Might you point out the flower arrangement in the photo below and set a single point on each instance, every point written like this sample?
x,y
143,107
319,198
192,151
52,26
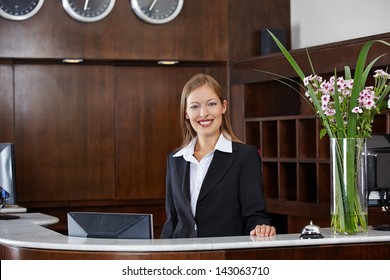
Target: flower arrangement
x,y
346,107
335,98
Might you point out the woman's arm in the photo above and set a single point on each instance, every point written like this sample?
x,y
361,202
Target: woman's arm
x,y
252,200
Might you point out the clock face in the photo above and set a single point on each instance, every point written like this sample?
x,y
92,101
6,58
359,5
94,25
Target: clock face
x,y
88,10
157,11
19,9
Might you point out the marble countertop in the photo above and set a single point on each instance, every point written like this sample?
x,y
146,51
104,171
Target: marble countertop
x,y
29,232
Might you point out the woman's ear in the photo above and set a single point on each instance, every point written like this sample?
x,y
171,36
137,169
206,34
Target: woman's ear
x,y
224,104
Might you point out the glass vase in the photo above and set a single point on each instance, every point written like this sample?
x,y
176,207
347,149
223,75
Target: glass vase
x,y
348,170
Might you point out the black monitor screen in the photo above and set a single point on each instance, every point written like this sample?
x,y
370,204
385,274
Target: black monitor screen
x,y
110,225
378,169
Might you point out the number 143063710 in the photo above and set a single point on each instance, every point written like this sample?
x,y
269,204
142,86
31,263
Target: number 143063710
x,y
249,270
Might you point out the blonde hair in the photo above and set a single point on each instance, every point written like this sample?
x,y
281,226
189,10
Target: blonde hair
x,y
195,82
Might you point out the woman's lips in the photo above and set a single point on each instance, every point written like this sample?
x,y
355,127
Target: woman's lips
x,y
205,123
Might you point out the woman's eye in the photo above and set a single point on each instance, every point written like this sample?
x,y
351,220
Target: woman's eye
x,y
194,107
213,104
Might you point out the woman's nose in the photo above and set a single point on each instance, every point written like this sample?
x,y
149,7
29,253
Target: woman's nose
x,y
203,111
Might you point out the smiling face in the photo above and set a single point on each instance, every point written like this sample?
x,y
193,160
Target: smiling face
x,y
205,110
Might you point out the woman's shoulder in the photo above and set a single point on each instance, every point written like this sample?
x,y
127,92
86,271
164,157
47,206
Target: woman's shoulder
x,y
174,152
247,153
240,146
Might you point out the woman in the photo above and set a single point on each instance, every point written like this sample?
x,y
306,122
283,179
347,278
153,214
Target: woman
x,y
214,181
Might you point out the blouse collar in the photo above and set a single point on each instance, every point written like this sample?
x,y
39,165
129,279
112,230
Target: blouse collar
x,y
223,144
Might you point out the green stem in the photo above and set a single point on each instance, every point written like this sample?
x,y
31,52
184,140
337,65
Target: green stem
x,y
348,215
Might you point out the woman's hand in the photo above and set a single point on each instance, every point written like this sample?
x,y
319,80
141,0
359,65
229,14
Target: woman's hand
x,y
263,231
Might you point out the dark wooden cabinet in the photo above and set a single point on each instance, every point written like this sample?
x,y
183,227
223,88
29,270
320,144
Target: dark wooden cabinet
x,y
275,118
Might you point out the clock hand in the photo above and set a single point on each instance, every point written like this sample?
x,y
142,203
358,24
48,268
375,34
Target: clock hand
x,y
151,6
86,4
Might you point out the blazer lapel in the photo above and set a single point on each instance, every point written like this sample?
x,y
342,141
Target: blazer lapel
x,y
183,176
218,168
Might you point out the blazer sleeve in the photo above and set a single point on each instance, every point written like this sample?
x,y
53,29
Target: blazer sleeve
x,y
251,193
171,215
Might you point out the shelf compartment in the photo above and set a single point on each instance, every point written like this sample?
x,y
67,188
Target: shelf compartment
x,y
288,181
323,146
306,133
270,180
269,139
380,124
252,133
287,139
307,182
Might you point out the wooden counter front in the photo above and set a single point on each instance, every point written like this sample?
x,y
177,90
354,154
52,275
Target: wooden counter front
x,y
26,238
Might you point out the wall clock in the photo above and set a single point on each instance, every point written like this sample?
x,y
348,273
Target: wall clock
x,y
157,11
88,10
19,9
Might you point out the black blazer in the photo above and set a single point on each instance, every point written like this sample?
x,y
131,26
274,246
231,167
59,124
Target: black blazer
x,y
230,202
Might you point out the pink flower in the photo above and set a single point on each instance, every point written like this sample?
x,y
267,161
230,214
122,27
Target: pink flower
x,y
381,74
367,98
330,112
357,110
323,93
325,99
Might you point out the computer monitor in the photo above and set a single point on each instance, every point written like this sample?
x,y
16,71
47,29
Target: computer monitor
x,y
110,225
378,169
7,172
7,178
378,174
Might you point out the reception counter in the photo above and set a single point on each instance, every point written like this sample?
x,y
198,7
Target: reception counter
x,y
28,238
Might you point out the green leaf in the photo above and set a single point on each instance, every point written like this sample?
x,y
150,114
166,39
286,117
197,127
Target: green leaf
x,y
311,64
322,133
347,73
290,59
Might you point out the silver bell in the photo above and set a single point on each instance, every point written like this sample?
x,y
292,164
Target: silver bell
x,y
311,232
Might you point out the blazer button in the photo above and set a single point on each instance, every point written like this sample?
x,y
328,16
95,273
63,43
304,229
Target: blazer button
x,y
195,227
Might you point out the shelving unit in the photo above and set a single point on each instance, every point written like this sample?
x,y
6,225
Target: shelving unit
x,y
275,118
292,156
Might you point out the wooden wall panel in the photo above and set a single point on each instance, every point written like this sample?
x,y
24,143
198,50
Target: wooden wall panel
x,y
200,32
90,132
6,104
64,132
